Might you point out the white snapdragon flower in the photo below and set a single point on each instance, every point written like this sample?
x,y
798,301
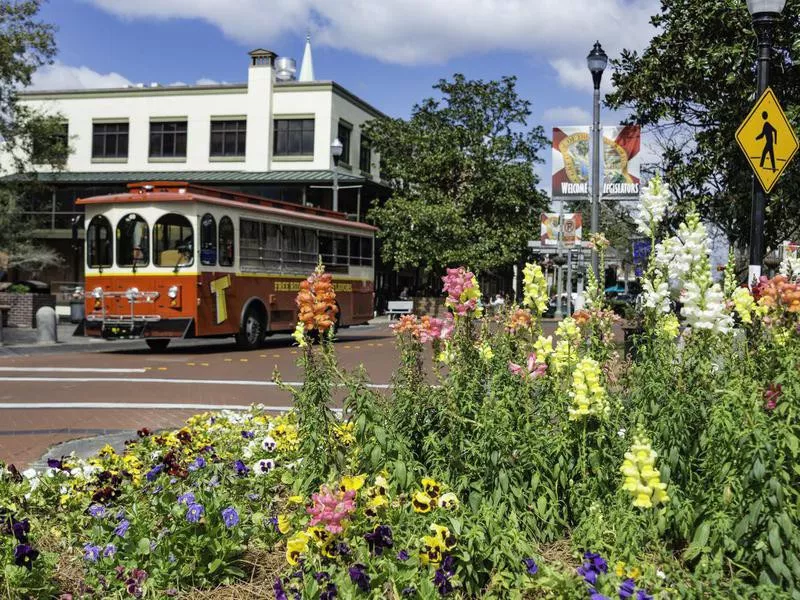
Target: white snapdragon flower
x,y
790,265
655,199
656,296
704,307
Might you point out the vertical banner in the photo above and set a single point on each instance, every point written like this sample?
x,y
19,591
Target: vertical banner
x,y
641,253
570,227
572,162
621,162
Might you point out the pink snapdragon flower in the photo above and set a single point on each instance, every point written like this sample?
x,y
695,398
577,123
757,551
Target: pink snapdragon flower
x,y
462,290
531,370
331,508
771,396
432,328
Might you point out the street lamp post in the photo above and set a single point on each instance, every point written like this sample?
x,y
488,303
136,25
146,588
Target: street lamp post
x,y
765,14
597,61
336,152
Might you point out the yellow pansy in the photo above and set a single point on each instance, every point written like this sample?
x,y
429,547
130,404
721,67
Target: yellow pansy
x,y
447,539
296,546
432,549
352,483
421,502
432,487
376,503
283,524
296,500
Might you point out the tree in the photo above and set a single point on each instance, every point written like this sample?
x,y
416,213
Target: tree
x,y
696,79
461,171
28,137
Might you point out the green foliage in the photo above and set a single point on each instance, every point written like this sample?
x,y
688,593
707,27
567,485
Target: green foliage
x,y
695,83
461,170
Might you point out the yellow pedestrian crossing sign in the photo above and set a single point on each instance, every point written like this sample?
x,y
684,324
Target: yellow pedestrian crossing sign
x,y
767,139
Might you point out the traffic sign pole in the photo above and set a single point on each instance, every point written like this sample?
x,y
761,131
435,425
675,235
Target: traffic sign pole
x,y
763,24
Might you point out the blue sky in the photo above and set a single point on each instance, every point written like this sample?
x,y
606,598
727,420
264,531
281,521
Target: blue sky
x,y
389,53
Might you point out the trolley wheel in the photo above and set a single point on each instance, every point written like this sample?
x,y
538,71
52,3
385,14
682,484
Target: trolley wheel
x,y
157,345
251,334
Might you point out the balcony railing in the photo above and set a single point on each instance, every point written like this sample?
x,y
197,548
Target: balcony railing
x,y
51,220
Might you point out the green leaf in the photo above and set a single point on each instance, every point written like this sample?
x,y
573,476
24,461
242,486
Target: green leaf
x,y
503,480
380,435
541,506
699,541
400,473
375,456
143,547
475,500
774,538
214,565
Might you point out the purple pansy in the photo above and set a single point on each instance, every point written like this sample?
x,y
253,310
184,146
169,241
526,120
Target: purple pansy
x,y
122,528
230,517
195,512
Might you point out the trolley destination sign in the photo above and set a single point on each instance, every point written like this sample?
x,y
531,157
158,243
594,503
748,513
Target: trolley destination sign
x,y
767,139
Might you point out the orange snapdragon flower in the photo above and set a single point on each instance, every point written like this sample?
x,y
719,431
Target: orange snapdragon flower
x,y
316,301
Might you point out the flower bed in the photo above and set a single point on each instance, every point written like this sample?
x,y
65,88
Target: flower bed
x,y
536,467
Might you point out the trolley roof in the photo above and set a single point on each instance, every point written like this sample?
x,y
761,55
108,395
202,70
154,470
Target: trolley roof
x,y
183,191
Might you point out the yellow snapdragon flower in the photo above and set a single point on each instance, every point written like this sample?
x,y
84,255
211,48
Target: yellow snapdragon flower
x,y
669,326
485,352
534,294
543,347
588,395
744,304
642,479
299,334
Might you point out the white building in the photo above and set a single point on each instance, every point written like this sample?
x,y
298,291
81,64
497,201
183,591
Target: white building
x,y
270,136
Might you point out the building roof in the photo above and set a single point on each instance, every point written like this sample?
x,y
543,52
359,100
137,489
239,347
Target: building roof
x,y
100,177
177,90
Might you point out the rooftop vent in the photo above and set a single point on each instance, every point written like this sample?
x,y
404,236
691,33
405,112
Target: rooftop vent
x,y
285,69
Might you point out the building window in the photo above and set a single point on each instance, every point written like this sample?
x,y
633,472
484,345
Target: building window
x,y
228,138
226,249
208,240
133,241
344,136
173,241
294,137
98,243
168,139
365,154
110,140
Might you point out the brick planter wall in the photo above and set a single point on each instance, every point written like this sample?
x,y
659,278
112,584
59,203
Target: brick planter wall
x,y
24,307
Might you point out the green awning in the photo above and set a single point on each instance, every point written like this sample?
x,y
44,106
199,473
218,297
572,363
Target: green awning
x,y
201,177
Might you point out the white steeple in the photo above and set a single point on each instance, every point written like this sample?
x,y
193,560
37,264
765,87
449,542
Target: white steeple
x,y
307,66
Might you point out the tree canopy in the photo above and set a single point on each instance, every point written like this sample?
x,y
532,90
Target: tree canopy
x,y
461,171
695,83
28,137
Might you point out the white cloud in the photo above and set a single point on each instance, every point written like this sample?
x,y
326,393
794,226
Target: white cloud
x,y
59,76
567,115
207,81
423,32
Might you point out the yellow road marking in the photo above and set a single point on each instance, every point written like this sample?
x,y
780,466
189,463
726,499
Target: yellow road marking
x,y
276,356
162,368
380,345
204,364
262,355
242,360
191,364
346,346
228,360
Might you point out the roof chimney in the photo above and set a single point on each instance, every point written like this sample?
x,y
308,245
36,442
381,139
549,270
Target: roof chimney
x,y
261,58
307,66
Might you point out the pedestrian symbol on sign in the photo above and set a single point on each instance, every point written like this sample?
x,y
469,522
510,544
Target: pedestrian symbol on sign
x,y
770,135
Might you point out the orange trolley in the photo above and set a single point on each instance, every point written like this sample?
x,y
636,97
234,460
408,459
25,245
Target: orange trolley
x,y
171,260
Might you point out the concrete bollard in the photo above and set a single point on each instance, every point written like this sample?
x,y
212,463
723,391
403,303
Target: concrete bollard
x,y
46,325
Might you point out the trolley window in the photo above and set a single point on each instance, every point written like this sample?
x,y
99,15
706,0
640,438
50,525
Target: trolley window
x,y
98,243
226,249
173,241
208,240
333,249
299,248
360,250
133,241
260,246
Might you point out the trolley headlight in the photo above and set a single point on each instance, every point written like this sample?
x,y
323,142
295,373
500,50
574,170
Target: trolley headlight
x,y
78,293
173,292
132,293
97,293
